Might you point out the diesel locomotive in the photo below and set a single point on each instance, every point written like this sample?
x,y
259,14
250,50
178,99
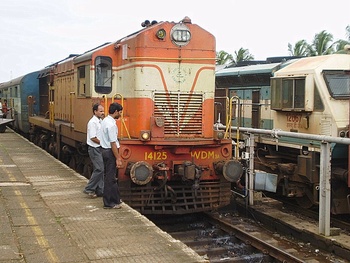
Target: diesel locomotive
x,y
298,95
174,159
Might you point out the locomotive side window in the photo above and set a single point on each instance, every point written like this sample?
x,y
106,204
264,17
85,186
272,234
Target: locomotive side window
x,y
83,81
299,93
276,94
288,94
318,104
338,83
103,75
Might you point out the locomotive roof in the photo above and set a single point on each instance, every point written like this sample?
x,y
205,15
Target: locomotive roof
x,y
88,54
310,64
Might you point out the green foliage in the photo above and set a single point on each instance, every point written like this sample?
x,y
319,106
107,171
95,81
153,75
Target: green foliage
x,y
223,58
322,44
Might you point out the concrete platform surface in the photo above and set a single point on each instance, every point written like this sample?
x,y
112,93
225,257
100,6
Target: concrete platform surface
x,y
45,217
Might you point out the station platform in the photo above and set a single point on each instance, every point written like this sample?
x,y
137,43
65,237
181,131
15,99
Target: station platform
x,y
45,216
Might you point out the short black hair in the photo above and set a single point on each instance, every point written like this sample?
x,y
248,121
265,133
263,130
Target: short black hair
x,y
114,107
95,107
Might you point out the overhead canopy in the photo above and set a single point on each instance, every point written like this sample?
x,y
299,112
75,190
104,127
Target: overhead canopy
x,y
248,70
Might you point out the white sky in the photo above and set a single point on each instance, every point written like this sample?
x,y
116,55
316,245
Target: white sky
x,y
36,33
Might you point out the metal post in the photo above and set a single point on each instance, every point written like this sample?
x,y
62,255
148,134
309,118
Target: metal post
x,y
325,190
251,168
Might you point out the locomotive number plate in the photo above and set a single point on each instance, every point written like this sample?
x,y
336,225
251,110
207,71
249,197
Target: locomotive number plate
x,y
293,120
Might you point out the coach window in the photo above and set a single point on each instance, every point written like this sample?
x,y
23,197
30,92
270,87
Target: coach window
x,y
103,75
14,92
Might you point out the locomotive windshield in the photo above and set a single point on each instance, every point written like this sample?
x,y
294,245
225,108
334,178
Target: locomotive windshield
x,y
338,83
103,75
288,93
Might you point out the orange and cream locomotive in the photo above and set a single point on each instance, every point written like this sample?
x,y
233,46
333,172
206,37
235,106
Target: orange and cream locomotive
x,y
174,161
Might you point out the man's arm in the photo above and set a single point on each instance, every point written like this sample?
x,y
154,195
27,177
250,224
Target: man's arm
x,y
115,151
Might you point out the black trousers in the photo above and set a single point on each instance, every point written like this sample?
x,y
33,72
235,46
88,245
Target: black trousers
x,y
111,196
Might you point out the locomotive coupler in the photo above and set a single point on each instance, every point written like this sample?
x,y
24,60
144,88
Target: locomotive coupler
x,y
189,171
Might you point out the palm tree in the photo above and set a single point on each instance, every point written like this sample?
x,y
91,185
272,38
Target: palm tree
x,y
301,49
242,55
340,46
222,58
322,44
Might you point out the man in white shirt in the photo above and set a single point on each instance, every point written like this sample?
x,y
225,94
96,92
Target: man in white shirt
x,y
94,187
111,158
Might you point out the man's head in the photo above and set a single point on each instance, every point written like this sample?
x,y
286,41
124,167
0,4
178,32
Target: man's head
x,y
98,110
115,110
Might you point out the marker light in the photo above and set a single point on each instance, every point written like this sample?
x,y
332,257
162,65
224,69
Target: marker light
x,y
161,34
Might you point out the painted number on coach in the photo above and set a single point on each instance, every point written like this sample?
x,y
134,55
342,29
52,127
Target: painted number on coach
x,y
155,156
293,120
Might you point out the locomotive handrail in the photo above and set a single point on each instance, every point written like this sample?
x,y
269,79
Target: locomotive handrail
x,y
30,105
105,103
122,115
51,113
325,168
276,133
51,107
230,120
71,108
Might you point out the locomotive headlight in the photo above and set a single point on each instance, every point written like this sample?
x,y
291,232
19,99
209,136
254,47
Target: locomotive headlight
x,y
161,34
145,135
180,35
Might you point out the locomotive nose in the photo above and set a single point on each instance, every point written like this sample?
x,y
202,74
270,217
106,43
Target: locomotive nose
x,y
232,170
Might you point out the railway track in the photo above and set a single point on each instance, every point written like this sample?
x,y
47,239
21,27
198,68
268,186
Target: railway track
x,y
228,237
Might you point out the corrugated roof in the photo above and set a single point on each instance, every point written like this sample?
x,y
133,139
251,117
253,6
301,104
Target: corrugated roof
x,y
251,69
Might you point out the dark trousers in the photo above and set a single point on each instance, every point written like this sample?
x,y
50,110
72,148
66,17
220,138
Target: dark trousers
x,y
96,182
111,196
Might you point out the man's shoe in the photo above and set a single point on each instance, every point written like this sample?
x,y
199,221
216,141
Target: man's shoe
x,y
113,207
